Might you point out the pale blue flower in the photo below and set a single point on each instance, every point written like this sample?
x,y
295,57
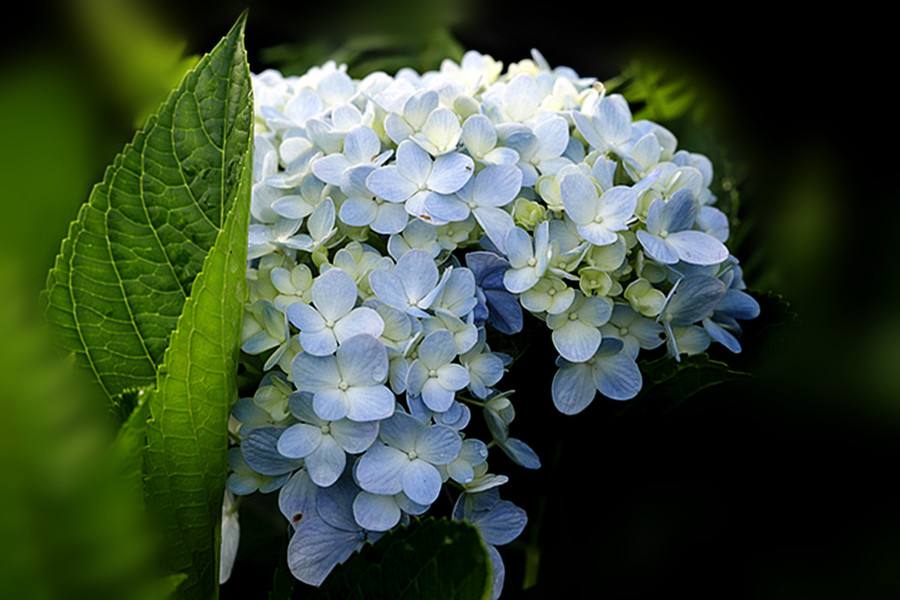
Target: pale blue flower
x,y
483,197
542,150
243,480
611,371
358,260
327,534
527,260
433,375
332,318
598,218
521,98
456,417
414,177
642,156
465,333
263,239
496,305
498,521
458,296
407,459
259,449
669,237
381,512
349,384
576,331
417,235
635,331
691,300
300,205
549,295
231,535
265,327
485,368
320,227
412,286
416,109
363,208
608,127
498,424
249,416
361,147
687,340
323,444
735,305
479,136
713,221
462,468
440,133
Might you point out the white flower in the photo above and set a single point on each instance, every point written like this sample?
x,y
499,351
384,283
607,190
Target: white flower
x,y
334,318
528,262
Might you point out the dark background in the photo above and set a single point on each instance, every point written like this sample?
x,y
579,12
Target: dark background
x,y
780,487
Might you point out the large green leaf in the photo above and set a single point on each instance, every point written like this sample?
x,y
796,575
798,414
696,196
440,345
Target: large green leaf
x,y
434,558
129,263
187,433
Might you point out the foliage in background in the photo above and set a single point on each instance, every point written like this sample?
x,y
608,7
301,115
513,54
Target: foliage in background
x,y
72,526
434,558
141,60
375,36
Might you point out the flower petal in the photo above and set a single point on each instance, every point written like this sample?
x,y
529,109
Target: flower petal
x,y
576,341
380,469
438,445
334,294
375,512
497,185
314,373
421,482
450,172
362,320
573,389
370,403
316,549
326,463
354,437
362,360
388,183
698,248
617,376
299,440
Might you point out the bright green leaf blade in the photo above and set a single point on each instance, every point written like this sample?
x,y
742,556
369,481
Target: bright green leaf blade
x,y
435,558
188,429
124,272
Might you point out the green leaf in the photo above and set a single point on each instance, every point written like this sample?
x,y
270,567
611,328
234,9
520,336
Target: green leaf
x,y
187,432
434,558
130,443
131,257
656,94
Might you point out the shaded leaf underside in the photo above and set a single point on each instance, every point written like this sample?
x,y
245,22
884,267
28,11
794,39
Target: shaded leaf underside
x,y
434,558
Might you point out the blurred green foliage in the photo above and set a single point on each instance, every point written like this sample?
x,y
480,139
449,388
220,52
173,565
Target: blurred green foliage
x,y
71,525
372,36
140,58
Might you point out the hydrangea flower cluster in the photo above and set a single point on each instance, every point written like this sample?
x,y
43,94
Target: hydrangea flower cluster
x,y
398,225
